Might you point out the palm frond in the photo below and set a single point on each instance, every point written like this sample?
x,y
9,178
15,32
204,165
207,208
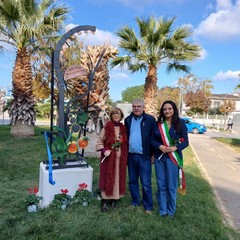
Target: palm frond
x,y
177,67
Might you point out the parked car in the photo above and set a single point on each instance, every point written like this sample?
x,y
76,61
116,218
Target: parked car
x,y
194,127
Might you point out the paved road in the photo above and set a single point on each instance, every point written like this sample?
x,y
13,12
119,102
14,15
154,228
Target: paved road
x,y
221,165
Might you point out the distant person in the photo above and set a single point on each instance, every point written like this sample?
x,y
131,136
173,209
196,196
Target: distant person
x,y
170,137
213,124
112,143
139,127
229,124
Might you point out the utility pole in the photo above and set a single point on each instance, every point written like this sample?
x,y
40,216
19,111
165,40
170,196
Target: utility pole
x,y
180,102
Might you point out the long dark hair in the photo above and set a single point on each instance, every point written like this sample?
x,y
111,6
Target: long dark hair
x,y
175,118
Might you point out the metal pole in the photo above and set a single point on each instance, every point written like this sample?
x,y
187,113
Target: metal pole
x,y
180,101
52,92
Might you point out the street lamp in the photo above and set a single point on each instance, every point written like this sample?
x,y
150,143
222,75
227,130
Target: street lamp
x,y
180,102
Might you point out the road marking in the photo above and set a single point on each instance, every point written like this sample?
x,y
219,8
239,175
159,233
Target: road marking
x,y
233,168
213,150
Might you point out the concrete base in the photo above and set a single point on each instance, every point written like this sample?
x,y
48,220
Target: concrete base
x,y
67,178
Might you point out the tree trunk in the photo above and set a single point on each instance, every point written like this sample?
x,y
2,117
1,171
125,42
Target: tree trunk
x,y
21,111
150,92
22,130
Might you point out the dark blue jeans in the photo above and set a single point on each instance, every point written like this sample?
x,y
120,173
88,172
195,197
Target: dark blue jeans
x,y
140,167
167,182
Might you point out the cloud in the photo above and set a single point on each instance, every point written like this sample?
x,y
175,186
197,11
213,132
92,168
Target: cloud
x,y
99,38
203,54
119,75
228,75
222,24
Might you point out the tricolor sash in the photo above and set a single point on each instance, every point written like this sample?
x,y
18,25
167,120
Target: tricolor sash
x,y
167,141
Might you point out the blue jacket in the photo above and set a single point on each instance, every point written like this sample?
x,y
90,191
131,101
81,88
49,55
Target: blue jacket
x,y
156,140
147,124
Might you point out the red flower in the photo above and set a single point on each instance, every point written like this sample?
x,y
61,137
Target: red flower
x,y
82,186
33,190
64,191
181,140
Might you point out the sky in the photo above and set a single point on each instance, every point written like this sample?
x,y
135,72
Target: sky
x,y
216,30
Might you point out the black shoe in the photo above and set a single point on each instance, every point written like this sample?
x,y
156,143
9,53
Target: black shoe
x,y
104,207
114,204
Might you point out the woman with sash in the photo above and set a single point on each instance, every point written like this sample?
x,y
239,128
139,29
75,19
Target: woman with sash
x,y
170,137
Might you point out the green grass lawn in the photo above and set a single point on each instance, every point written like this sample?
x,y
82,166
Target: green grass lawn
x,y
197,214
232,142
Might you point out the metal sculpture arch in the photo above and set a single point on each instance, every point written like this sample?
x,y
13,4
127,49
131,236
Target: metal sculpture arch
x,y
77,116
59,72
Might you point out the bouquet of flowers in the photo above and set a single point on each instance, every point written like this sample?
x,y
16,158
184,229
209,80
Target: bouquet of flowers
x,y
118,142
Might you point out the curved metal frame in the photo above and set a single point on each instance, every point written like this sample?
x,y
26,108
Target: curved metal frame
x,y
59,72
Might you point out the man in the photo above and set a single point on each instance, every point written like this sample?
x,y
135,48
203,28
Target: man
x,y
139,127
230,124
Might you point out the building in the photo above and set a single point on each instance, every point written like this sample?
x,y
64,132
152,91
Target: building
x,y
218,99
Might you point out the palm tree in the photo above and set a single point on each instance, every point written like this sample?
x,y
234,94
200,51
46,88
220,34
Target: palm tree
x,y
157,44
24,24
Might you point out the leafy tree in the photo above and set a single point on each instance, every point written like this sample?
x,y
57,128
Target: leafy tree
x,y
192,88
43,109
158,43
131,93
192,83
41,89
168,93
227,107
24,24
197,101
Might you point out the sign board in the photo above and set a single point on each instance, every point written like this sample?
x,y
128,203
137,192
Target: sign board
x,y
74,71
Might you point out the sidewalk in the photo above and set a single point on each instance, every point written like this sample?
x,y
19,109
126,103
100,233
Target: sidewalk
x,y
221,166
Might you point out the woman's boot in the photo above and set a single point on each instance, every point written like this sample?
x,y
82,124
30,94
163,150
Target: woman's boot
x,y
104,207
114,204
